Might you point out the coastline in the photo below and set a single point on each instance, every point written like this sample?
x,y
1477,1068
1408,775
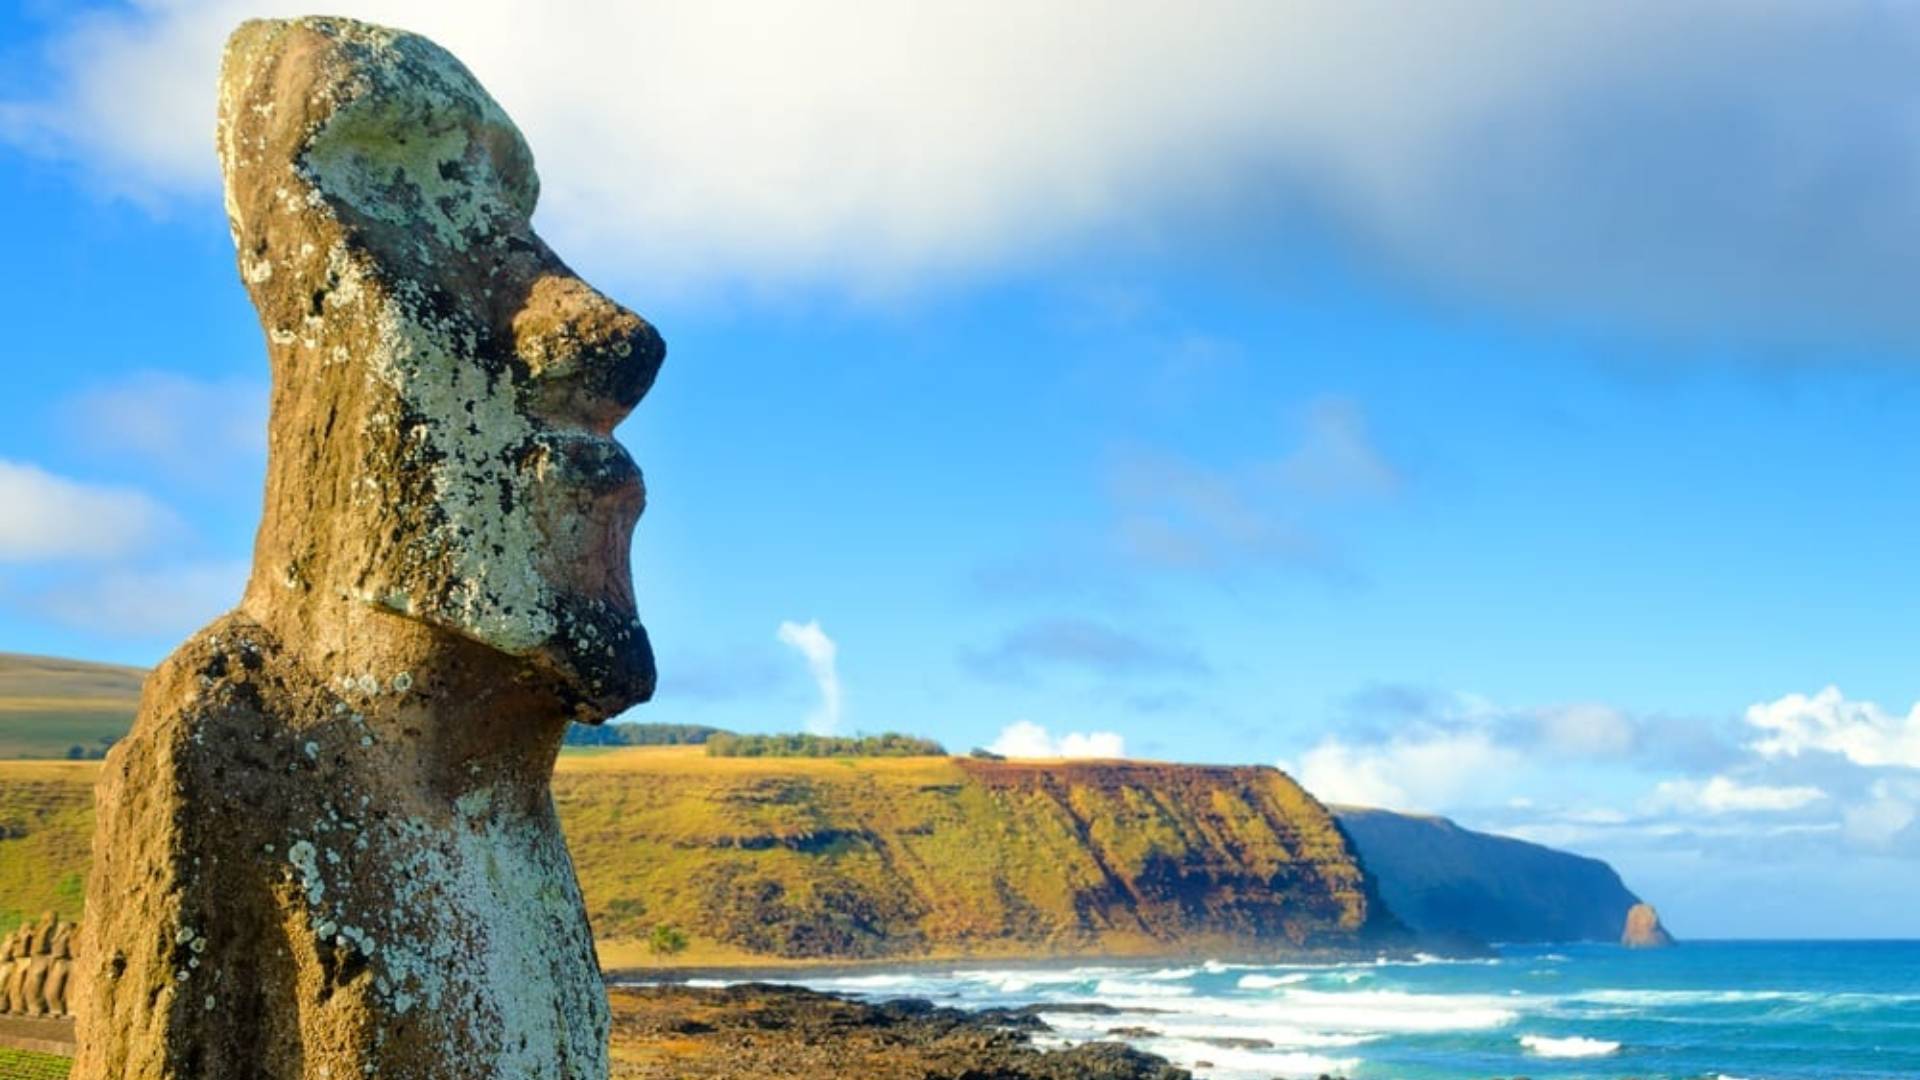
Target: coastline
x,y
776,969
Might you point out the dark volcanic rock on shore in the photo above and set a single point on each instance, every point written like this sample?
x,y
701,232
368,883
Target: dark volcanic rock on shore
x,y
765,1032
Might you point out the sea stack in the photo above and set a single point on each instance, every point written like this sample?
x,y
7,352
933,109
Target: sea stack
x,y
1643,930
328,847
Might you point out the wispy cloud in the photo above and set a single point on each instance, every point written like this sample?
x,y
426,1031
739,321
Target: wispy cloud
x,y
164,602
722,675
1082,644
1617,163
1724,795
1175,512
1337,457
195,428
51,518
1888,819
822,656
1026,739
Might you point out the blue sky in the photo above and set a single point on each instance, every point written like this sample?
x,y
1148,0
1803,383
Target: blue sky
x,y
1508,415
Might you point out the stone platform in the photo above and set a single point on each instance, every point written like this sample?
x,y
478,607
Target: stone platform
x,y
45,1035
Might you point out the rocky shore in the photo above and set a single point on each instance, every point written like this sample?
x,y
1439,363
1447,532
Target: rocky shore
x,y
757,1031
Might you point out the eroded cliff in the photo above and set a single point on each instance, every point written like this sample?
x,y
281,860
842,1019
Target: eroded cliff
x,y
798,858
1453,882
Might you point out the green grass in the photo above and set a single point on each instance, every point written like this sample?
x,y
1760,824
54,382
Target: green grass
x,y
29,1065
48,705
802,858
770,860
46,825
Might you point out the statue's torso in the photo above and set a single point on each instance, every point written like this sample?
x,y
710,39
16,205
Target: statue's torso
x,y
278,892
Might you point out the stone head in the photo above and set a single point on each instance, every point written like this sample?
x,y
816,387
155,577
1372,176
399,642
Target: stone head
x,y
444,388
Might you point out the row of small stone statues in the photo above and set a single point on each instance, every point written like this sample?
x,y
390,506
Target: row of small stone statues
x,y
36,968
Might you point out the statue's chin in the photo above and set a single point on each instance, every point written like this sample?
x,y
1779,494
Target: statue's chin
x,y
602,673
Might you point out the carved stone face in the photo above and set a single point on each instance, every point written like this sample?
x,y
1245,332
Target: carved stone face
x,y
444,395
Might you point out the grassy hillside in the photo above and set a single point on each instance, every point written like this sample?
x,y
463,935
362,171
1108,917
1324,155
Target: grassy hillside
x,y
1443,879
938,856
48,706
770,860
46,822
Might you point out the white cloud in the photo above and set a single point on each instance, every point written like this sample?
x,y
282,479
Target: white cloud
x,y
822,657
1617,160
1026,739
194,427
1725,795
1422,772
1861,731
169,601
1885,819
44,517
1586,731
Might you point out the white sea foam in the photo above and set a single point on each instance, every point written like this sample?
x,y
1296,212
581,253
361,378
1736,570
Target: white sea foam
x,y
1268,982
1233,1064
1200,1027
871,982
1692,997
1571,1046
1171,974
1133,988
1393,1010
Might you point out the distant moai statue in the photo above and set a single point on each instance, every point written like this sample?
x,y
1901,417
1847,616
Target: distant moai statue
x,y
328,847
36,965
13,970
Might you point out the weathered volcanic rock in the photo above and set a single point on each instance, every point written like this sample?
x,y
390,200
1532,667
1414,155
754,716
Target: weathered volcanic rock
x,y
760,1032
1643,930
328,846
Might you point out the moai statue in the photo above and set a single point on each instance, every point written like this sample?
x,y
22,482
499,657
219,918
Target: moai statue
x,y
40,959
8,962
15,991
328,848
60,971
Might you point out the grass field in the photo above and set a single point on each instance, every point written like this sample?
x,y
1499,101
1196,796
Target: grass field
x,y
28,1065
771,861
48,706
46,822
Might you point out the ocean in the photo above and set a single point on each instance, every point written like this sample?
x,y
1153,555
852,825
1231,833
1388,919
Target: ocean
x,y
1733,1010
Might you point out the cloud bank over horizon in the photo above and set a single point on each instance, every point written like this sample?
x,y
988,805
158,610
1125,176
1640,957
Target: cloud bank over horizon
x,y
1616,166
1795,778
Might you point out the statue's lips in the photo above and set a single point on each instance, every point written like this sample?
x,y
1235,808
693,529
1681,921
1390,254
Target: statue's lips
x,y
592,464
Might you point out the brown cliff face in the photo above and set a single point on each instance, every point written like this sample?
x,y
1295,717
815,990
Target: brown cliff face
x,y
1643,929
1195,851
923,857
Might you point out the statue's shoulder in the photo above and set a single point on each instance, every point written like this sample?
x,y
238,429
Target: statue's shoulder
x,y
221,706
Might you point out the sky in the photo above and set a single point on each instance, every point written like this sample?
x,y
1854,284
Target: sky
x,y
1491,409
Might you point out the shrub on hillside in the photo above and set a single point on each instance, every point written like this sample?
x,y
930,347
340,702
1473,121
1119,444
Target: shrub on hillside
x,y
640,734
890,744
666,940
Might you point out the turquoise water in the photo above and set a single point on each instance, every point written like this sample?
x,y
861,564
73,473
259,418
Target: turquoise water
x,y
1749,1010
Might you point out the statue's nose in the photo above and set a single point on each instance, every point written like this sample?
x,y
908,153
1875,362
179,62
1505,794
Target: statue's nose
x,y
591,360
